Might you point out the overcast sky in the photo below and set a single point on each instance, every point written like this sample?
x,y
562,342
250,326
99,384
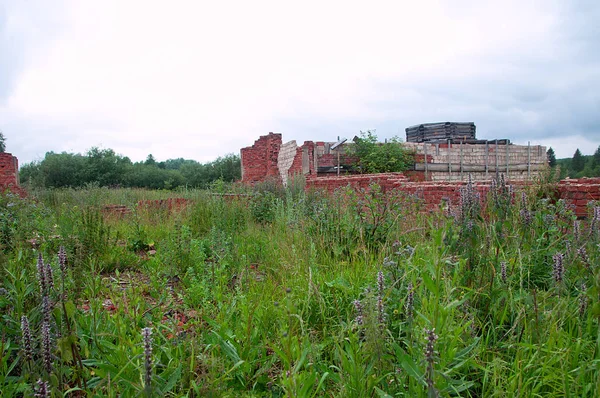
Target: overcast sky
x,y
200,79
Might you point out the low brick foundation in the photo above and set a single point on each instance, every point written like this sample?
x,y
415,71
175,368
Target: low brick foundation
x,y
171,204
117,211
577,192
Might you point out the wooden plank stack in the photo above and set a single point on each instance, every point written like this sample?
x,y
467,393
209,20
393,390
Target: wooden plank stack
x,y
443,131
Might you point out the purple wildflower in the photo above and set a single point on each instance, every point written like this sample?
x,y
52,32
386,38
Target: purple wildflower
x,y
576,230
147,337
41,268
46,309
62,259
558,268
359,312
46,346
430,357
469,202
49,277
42,389
525,214
582,253
380,291
26,336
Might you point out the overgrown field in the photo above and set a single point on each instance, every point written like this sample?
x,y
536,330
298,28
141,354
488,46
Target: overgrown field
x,y
287,293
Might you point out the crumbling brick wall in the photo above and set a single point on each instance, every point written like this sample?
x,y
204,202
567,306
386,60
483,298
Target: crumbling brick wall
x,y
580,192
577,192
330,183
268,157
259,161
432,193
9,173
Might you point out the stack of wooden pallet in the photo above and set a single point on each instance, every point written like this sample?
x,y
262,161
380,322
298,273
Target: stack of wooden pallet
x,y
455,131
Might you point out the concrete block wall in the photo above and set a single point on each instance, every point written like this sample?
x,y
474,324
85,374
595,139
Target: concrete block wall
x,y
454,162
285,159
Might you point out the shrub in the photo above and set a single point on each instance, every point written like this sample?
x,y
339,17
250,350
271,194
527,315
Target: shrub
x,y
375,157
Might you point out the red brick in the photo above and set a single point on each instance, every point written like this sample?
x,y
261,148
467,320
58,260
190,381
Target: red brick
x,y
9,173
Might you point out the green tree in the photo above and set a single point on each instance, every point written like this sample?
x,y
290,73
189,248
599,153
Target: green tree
x,y
150,161
551,157
176,164
596,158
105,167
227,168
2,142
578,161
64,169
375,157
30,174
152,177
194,174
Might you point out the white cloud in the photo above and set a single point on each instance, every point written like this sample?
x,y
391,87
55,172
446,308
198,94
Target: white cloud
x,y
565,148
201,79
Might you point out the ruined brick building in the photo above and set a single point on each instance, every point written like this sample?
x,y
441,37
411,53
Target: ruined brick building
x,y
443,162
441,154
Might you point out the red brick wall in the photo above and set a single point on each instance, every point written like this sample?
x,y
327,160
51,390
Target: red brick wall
x,y
9,173
331,160
576,192
579,192
168,204
296,167
259,161
330,184
432,193
415,176
328,160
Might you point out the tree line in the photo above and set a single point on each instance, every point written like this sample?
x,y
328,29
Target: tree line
x,y
577,166
104,167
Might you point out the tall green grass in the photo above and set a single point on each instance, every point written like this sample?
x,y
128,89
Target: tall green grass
x,y
277,293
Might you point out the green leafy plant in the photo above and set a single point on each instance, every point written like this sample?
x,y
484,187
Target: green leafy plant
x,y
376,157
